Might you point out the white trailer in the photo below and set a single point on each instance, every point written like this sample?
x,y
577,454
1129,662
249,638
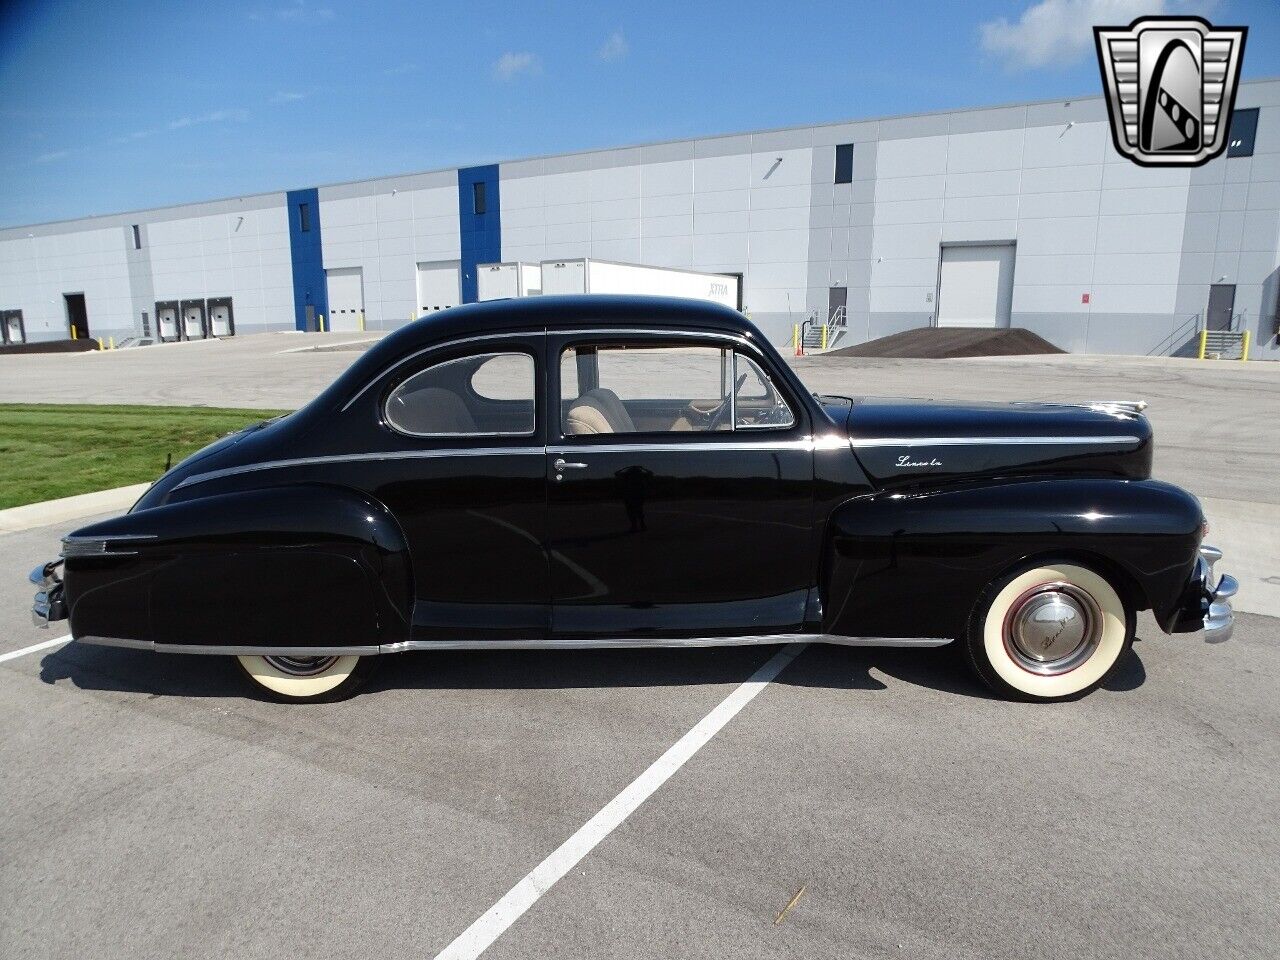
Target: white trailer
x,y
500,281
584,275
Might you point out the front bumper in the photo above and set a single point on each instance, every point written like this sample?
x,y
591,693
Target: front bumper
x,y
1218,617
49,603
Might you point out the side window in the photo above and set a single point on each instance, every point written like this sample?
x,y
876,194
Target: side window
x,y
1243,133
623,388
844,163
483,395
757,404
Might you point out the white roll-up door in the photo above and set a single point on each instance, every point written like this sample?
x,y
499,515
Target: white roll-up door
x,y
976,287
346,298
439,285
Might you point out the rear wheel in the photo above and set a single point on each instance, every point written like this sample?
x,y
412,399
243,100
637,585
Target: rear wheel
x,y
307,679
1052,632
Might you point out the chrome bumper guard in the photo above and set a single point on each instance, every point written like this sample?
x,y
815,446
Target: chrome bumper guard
x,y
1219,619
48,604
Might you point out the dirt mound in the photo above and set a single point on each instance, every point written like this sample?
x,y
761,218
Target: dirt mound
x,y
943,342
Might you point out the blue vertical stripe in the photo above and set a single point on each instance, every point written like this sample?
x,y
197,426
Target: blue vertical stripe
x,y
479,233
306,255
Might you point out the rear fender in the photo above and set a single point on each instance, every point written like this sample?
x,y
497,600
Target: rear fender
x,y
284,566
898,564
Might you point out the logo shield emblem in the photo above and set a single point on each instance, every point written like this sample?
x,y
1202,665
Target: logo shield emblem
x,y
1171,86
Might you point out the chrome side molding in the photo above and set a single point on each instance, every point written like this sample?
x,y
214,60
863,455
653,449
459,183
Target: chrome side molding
x,y
408,646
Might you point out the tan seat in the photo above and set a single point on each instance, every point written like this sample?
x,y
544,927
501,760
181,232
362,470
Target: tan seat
x,y
598,411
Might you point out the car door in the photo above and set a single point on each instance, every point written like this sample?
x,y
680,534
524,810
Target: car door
x,y
670,513
467,484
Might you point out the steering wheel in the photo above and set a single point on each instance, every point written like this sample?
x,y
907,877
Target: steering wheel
x,y
722,413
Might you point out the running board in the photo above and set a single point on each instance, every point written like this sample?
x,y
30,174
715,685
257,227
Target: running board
x,y
407,646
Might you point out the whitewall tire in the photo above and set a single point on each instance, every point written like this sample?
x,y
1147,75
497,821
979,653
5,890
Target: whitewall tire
x,y
306,679
1051,632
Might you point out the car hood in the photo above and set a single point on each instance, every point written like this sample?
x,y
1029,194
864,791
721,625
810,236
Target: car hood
x,y
904,441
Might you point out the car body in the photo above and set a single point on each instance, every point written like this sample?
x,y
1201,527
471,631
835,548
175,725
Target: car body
x,y
591,471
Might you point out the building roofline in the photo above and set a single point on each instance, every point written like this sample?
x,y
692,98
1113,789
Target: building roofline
x,y
578,153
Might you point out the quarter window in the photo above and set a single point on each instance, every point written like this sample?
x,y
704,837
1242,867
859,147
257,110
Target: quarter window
x,y
483,395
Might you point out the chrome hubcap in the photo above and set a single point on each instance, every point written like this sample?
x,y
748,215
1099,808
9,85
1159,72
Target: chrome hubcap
x,y
1053,628
301,666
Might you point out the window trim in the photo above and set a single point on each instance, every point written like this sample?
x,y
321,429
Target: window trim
x,y
762,427
385,412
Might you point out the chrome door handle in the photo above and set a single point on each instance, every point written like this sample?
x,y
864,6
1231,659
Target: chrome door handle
x,y
562,465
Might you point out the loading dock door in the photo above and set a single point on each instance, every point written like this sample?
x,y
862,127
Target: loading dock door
x,y
439,285
77,315
167,320
193,319
976,285
220,322
346,298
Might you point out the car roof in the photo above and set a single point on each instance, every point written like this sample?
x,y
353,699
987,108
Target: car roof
x,y
574,310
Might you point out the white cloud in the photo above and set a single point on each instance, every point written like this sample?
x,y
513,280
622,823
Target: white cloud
x,y
614,48
297,12
288,96
53,156
216,116
1054,33
511,64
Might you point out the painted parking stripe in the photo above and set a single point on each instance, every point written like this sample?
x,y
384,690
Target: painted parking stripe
x,y
480,935
34,648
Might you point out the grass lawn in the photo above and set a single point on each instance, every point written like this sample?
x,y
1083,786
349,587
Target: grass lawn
x,y
52,450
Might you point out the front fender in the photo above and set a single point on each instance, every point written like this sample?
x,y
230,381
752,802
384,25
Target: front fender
x,y
899,564
305,565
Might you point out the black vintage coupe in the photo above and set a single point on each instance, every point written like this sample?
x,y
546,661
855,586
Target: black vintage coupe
x,y
633,472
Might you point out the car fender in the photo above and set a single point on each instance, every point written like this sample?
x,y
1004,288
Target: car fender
x,y
913,563
301,565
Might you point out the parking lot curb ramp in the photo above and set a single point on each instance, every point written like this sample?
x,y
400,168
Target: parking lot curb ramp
x,y
32,515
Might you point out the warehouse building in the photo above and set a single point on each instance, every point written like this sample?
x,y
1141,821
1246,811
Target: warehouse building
x,y
1020,216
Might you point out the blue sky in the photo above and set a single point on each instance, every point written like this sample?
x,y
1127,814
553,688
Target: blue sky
x,y
118,105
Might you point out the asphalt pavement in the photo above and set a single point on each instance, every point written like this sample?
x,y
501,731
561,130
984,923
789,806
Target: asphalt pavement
x,y
154,807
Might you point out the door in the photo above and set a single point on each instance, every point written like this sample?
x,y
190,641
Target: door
x,y
167,320
976,285
346,298
193,326
678,507
13,330
221,323
474,517
77,315
1222,304
837,301
439,285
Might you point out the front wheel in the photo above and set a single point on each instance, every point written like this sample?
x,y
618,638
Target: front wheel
x,y
307,679
1052,632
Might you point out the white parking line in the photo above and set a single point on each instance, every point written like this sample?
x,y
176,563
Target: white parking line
x,y
480,935
34,648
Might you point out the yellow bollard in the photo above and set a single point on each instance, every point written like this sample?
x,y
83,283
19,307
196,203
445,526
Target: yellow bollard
x,y
361,320
824,336
73,333
99,343
1204,342
1244,347
795,337
112,343
320,318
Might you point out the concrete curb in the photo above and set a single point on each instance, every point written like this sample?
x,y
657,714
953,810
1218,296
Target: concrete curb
x,y
32,515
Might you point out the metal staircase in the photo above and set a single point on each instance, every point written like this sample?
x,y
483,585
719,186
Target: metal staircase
x,y
819,333
1230,343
